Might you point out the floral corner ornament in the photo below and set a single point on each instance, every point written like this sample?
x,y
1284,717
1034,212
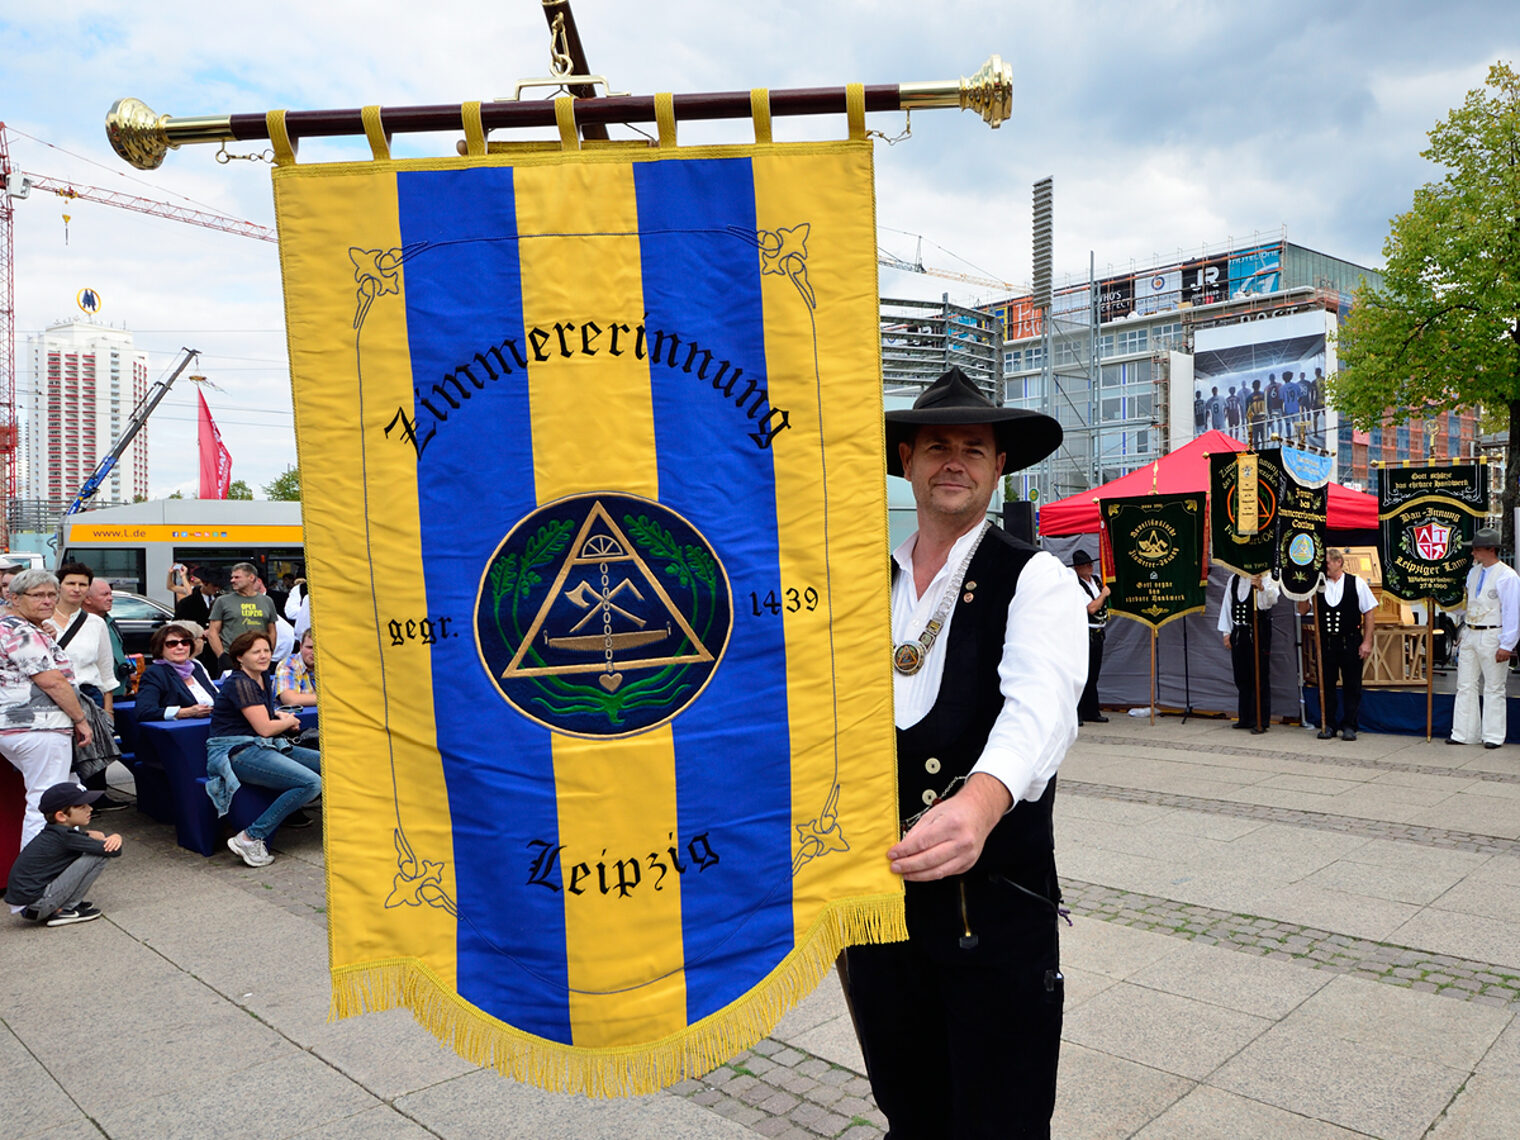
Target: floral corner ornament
x,y
418,882
818,837
784,252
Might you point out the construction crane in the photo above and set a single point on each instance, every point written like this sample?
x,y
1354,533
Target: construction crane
x,y
16,185
892,261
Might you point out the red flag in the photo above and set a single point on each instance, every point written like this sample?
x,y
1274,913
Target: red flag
x,y
216,460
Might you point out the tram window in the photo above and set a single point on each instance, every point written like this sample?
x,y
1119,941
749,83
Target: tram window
x,y
125,568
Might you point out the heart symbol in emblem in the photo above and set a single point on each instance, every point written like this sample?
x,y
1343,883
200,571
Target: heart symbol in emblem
x,y
610,681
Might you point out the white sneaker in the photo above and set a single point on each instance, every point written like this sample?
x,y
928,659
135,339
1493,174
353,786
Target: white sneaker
x,y
251,851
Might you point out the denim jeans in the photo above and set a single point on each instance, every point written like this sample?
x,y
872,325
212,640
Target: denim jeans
x,y
296,772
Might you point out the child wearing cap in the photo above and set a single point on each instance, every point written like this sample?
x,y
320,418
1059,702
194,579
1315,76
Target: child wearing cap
x,y
51,875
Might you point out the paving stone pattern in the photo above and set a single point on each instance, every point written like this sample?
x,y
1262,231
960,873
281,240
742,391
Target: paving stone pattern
x,y
1319,821
1396,965
1334,760
779,1090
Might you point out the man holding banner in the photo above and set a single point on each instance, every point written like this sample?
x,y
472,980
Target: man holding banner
x,y
960,1026
1097,592
1344,615
1488,642
1248,637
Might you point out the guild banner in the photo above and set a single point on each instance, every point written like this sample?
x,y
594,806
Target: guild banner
x,y
1155,567
1244,488
595,524
1426,520
1303,501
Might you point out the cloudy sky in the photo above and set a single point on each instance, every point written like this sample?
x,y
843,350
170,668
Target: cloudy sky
x,y
1167,126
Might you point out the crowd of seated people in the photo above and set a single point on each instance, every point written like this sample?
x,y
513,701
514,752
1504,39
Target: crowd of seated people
x,y
243,687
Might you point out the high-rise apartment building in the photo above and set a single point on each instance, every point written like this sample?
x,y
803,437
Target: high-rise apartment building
x,y
86,379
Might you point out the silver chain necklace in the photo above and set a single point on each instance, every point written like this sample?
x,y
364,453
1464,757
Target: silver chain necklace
x,y
909,657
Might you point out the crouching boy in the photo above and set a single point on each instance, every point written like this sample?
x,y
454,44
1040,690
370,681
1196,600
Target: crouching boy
x,y
51,875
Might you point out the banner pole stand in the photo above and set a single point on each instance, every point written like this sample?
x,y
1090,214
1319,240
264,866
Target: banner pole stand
x,y
1153,676
1430,664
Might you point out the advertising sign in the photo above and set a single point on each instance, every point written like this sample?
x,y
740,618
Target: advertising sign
x,y
1256,272
1157,291
1206,282
1426,519
1116,298
1261,381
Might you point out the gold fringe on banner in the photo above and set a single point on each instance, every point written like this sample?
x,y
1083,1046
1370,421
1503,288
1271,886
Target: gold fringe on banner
x,y
698,1049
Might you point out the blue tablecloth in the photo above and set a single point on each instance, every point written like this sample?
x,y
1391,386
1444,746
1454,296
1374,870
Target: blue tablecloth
x,y
178,749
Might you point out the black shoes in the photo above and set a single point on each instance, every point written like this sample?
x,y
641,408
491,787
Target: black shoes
x,y
1328,734
106,803
1488,744
1449,740
1100,719
68,916
1242,724
1349,734
297,819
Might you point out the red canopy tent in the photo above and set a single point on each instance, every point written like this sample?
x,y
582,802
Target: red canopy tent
x,y
1187,469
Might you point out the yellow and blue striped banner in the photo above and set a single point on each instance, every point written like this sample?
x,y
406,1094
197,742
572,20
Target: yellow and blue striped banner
x,y
591,451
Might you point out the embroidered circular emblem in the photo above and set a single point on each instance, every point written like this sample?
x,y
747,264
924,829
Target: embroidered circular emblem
x,y
1301,549
602,615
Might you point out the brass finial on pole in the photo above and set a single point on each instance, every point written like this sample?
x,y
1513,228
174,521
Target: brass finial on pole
x,y
143,137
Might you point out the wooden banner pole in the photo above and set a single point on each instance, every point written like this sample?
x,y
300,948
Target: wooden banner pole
x,y
1430,664
1319,662
1256,655
1153,676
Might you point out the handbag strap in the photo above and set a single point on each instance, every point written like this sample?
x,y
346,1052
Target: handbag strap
x,y
68,634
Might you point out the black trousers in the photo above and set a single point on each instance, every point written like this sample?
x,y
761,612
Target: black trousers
x,y
1087,707
1244,649
962,1044
1343,663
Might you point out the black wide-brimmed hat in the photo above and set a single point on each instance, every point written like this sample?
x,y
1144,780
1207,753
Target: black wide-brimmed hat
x,y
1025,437
1080,557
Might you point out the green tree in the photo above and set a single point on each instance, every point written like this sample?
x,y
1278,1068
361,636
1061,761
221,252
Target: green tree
x,y
175,495
285,487
1444,330
239,490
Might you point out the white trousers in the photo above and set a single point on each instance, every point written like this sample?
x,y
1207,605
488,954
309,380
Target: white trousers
x,y
1475,665
43,759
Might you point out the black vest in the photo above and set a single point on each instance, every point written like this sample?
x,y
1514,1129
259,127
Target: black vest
x,y
1345,619
950,739
1240,611
1099,617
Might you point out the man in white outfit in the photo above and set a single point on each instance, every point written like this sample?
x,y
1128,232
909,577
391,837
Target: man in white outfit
x,y
1488,642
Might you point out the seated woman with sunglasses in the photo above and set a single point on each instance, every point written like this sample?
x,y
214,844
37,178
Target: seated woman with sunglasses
x,y
175,686
247,746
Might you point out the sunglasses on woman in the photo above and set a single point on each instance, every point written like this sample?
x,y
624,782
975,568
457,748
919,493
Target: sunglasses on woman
x,y
171,642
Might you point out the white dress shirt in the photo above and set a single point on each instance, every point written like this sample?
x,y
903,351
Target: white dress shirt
x,y
1266,598
89,650
1493,599
1041,675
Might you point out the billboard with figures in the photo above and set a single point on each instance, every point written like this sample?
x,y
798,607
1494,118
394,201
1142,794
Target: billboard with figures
x,y
1264,381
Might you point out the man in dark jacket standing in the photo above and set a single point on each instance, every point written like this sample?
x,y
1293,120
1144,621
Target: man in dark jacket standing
x,y
960,1025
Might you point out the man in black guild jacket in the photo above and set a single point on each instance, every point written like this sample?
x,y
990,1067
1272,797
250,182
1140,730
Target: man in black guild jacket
x,y
961,1024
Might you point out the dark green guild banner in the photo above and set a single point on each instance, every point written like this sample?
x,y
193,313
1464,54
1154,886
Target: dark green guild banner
x,y
1231,499
1426,520
1155,561
1302,505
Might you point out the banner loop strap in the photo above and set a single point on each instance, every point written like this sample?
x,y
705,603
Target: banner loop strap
x,y
279,137
760,111
474,129
855,108
665,117
375,132
564,118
